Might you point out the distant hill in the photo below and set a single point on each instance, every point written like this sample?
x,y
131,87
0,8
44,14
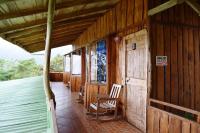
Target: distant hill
x,y
9,51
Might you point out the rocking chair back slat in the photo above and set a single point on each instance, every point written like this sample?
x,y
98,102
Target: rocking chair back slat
x,y
115,91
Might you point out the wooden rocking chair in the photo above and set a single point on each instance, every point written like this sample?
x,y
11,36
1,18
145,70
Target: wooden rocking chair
x,y
106,103
81,95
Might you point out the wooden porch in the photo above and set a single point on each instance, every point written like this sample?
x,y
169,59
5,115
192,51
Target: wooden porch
x,y
119,43
71,116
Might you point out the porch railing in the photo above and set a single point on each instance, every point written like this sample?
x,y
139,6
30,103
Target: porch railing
x,y
161,121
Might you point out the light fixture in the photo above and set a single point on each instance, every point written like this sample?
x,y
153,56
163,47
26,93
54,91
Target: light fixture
x,y
118,39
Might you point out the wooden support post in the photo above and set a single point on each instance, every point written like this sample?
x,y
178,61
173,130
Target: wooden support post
x,y
51,8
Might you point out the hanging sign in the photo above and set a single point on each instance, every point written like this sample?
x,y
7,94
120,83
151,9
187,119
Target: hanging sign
x,y
161,60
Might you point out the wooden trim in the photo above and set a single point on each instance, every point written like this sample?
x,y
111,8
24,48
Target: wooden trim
x,y
175,106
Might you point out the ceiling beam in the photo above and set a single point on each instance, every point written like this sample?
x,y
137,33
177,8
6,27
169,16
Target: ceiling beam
x,y
164,6
55,38
60,29
76,15
41,46
41,36
7,1
194,5
41,28
28,12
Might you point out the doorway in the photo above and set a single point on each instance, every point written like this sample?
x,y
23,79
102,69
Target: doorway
x,y
136,68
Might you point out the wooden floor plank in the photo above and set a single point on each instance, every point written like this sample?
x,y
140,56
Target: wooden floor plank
x,y
72,118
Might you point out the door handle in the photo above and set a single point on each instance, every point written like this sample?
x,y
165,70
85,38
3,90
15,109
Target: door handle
x,y
127,80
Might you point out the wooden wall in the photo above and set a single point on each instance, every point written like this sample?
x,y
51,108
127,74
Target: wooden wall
x,y
175,33
91,91
75,83
56,76
66,77
126,17
163,122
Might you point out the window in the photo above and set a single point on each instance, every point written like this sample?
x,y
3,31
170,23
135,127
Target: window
x,y
67,63
76,64
98,62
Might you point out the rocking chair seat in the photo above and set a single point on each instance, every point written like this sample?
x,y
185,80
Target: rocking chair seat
x,y
107,106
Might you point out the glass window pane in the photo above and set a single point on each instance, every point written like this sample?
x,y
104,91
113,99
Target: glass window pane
x,y
76,64
93,64
101,61
67,64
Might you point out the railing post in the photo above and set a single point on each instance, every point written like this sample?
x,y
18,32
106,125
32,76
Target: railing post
x,y
51,8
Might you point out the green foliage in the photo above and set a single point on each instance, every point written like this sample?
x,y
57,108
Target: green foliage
x,y
26,68
19,69
56,64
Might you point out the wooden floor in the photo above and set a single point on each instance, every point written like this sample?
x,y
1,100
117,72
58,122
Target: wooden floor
x,y
71,117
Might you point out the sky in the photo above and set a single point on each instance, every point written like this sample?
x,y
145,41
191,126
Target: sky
x,y
11,51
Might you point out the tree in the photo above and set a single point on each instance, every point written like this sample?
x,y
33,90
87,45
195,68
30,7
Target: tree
x,y
19,69
56,64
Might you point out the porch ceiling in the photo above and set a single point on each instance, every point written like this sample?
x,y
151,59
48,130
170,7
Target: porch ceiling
x,y
23,22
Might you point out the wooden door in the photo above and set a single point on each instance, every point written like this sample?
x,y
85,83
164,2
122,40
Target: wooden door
x,y
136,78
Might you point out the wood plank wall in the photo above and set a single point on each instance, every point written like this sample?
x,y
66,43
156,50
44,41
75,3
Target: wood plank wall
x,y
126,17
56,76
75,83
175,33
66,77
91,91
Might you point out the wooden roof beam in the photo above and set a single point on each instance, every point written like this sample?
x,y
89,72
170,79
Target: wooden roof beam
x,y
41,28
164,6
194,5
56,38
69,17
41,46
7,1
60,29
41,36
28,12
